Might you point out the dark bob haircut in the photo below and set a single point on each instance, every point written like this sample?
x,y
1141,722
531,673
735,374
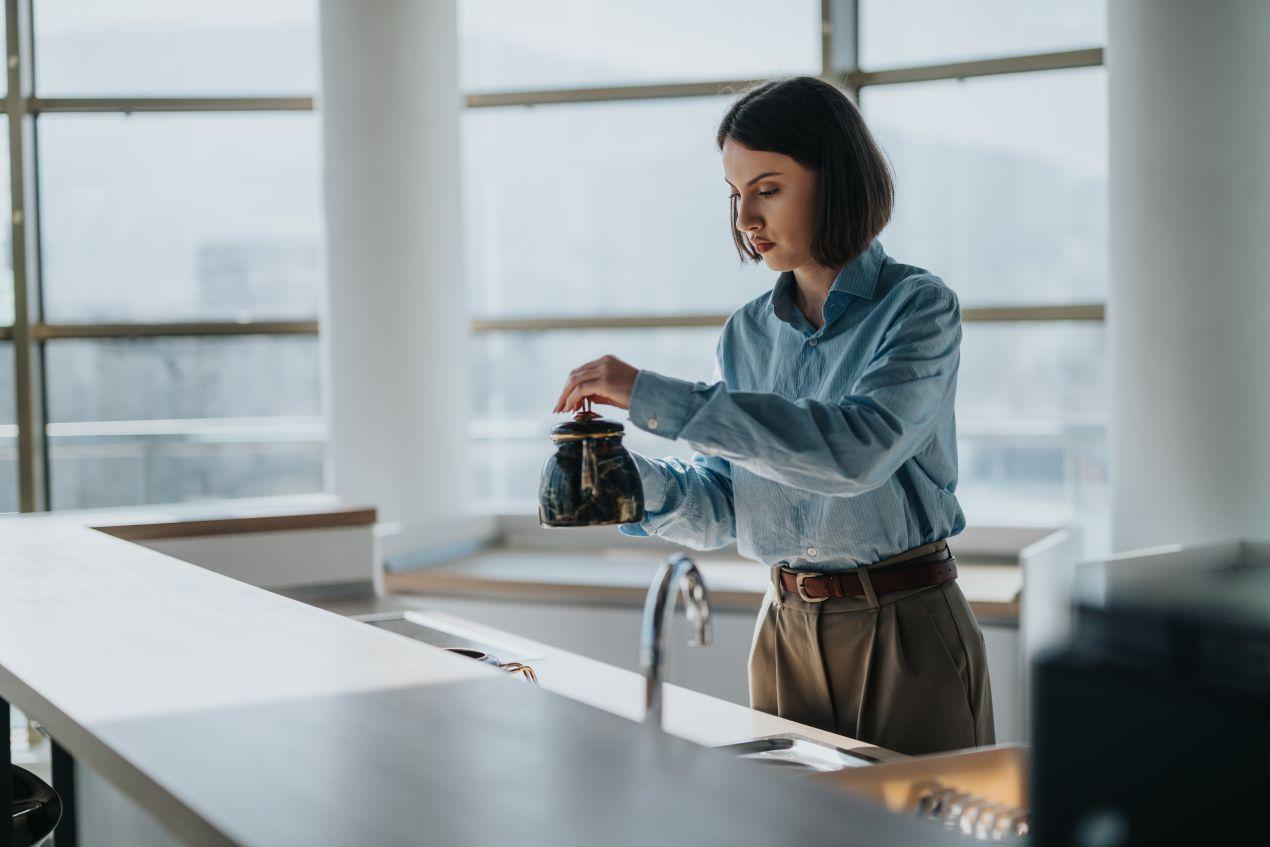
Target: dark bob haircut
x,y
818,126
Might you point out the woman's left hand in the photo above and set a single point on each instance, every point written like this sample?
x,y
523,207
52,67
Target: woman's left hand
x,y
606,380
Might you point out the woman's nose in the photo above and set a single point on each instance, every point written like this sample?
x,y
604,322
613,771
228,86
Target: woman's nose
x,y
745,219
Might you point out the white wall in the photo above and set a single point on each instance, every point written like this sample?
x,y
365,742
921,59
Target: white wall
x,y
1189,307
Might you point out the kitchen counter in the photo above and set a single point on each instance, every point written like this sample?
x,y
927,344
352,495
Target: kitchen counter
x,y
233,715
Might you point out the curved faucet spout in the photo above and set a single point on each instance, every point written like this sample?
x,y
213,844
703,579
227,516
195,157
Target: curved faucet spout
x,y
659,606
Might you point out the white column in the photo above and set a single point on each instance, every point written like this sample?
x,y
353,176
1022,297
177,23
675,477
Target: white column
x,y
395,324
1189,308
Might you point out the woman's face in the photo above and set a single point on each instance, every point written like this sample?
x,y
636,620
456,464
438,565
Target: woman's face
x,y
776,201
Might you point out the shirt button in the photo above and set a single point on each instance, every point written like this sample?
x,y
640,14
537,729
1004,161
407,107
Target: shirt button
x,y
811,551
813,342
652,423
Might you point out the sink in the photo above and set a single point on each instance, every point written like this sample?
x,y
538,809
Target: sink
x,y
799,753
410,624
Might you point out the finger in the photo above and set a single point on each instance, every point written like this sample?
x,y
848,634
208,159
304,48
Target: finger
x,y
597,399
575,376
585,388
568,387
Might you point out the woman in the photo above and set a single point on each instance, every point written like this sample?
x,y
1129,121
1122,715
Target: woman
x,y
827,449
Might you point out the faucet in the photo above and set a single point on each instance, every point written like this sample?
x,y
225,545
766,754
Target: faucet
x,y
678,570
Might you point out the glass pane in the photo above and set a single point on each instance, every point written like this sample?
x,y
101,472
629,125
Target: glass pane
x,y
518,376
143,48
631,216
896,33
166,420
6,232
1001,183
8,432
154,218
513,45
1032,422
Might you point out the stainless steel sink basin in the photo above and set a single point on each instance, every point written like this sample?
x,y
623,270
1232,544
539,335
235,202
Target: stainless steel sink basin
x,y
797,752
411,625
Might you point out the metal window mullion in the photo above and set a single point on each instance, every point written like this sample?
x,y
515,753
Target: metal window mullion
x,y
128,105
606,94
1083,312
44,332
27,352
1030,63
840,43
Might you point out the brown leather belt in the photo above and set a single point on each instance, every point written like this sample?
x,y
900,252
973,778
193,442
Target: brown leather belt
x,y
920,572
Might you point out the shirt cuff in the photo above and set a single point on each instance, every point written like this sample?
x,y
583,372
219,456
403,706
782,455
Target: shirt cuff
x,y
653,480
662,405
654,486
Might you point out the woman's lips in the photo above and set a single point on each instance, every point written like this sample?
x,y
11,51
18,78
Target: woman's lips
x,y
763,246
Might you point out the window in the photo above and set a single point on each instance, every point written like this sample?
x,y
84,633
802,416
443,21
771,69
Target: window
x,y
624,219
513,45
1000,183
8,386
1031,422
1001,179
161,420
180,217
86,48
6,235
176,199
899,33
8,432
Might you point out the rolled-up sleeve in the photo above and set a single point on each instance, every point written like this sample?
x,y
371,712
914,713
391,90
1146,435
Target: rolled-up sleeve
x,y
838,448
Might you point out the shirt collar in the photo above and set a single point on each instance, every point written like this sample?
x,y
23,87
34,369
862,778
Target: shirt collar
x,y
858,278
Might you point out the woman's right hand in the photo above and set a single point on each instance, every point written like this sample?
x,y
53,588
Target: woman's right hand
x,y
606,380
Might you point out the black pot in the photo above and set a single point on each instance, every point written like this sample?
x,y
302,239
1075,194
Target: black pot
x,y
591,480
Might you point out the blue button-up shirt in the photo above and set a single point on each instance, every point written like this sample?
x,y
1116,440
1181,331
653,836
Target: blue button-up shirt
x,y
821,449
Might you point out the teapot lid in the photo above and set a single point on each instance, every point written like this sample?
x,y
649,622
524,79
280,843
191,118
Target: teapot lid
x,y
588,424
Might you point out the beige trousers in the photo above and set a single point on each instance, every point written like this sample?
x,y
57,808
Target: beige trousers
x,y
910,675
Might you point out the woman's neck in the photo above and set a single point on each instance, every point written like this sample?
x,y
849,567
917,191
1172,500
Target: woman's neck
x,y
812,284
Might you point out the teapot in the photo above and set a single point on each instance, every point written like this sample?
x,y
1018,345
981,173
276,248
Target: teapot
x,y
591,479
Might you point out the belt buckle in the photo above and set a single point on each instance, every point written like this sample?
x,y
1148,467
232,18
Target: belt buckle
x,y
802,592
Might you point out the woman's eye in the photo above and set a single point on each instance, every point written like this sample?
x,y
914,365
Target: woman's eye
x,y
768,193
